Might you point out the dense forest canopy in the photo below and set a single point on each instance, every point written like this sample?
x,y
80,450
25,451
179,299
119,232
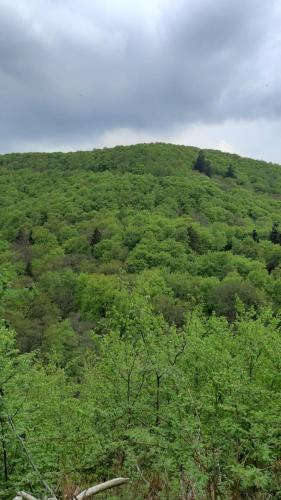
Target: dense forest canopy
x,y
140,303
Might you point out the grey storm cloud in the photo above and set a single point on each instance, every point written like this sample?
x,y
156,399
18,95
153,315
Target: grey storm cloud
x,y
68,68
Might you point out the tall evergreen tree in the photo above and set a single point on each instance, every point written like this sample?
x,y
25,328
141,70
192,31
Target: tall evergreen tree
x,y
96,237
255,236
228,246
202,165
275,234
193,239
230,172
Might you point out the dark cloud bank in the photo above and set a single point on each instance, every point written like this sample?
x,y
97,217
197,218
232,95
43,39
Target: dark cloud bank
x,y
68,72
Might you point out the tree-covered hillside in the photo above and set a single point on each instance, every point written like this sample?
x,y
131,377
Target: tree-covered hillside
x,y
140,296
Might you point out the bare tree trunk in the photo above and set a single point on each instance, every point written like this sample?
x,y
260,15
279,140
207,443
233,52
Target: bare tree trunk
x,y
24,495
101,487
84,494
157,399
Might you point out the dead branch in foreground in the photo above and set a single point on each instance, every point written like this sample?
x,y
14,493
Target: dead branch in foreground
x,y
89,492
101,487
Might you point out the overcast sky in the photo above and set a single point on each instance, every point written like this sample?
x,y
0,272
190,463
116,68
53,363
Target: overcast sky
x,y
79,74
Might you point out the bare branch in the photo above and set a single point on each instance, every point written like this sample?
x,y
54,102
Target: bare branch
x,y
22,495
36,470
101,487
141,474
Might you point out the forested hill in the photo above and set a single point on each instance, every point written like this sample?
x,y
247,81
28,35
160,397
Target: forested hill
x,y
137,211
141,286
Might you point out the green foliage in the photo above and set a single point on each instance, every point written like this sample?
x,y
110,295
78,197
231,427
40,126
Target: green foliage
x,y
222,297
148,296
201,402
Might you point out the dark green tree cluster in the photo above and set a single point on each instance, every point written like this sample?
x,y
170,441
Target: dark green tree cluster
x,y
275,235
202,165
230,172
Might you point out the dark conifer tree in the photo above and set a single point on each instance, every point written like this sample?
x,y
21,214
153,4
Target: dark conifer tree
x,y
230,172
31,240
272,264
28,269
96,237
208,170
275,234
193,239
255,236
22,237
202,165
228,246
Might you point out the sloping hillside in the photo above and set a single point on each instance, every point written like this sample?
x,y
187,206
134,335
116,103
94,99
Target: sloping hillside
x,y
144,296
134,210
